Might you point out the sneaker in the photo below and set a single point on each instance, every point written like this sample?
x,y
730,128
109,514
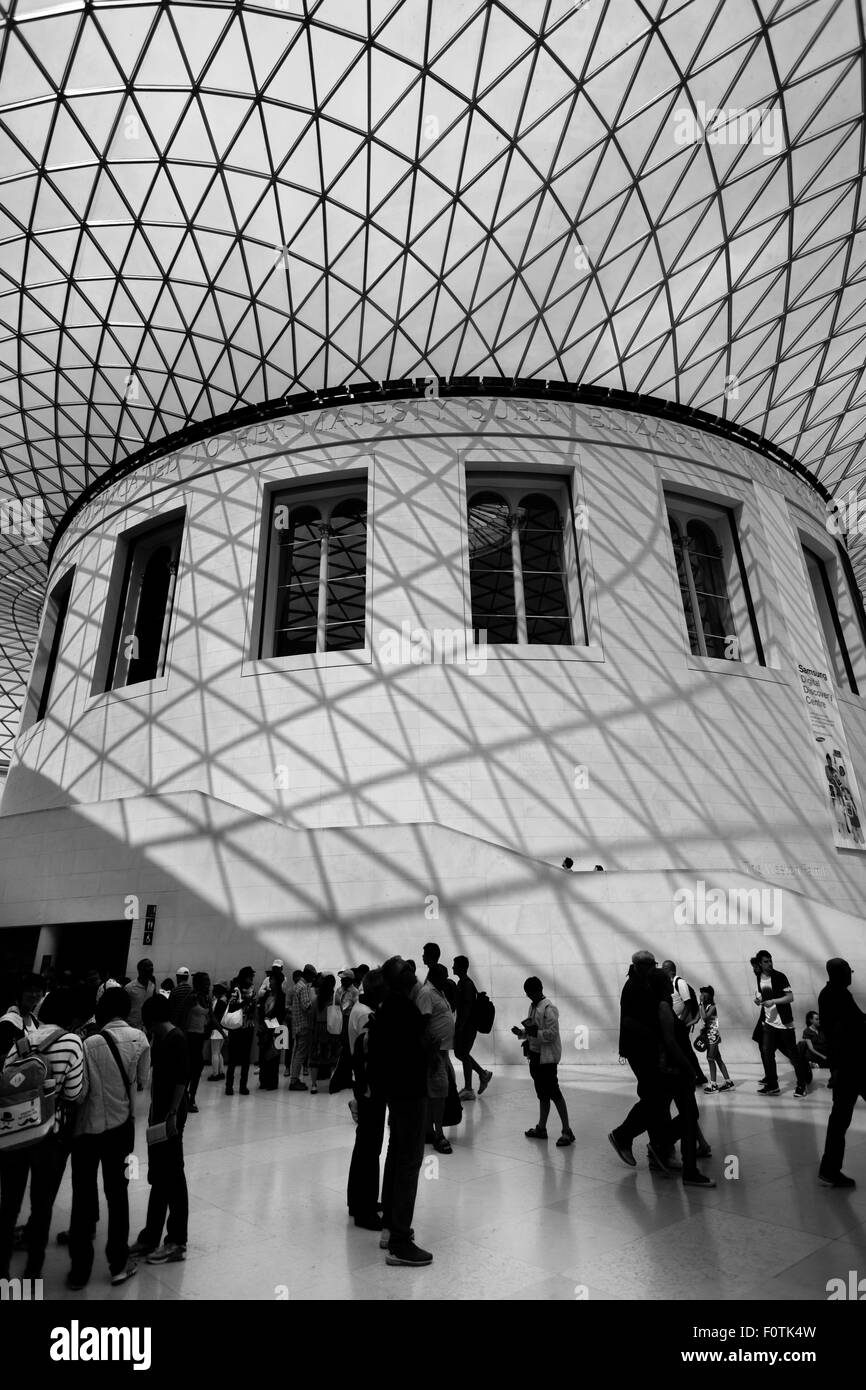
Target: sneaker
x,y
835,1180
566,1138
140,1249
726,1086
192,1108
220,1076
466,1094
536,1132
769,1091
697,1179
656,1162
245,1090
123,1274
710,1089
623,1151
78,1282
298,1086
230,1090
167,1254
800,1092
408,1255
486,1079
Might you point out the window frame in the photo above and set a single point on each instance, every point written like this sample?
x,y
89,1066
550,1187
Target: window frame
x,y
810,551
513,485
677,503
343,478
104,684
47,655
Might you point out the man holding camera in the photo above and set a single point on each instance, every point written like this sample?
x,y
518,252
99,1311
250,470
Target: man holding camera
x,y
542,1045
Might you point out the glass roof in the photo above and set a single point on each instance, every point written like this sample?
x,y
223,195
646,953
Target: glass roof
x,y
205,205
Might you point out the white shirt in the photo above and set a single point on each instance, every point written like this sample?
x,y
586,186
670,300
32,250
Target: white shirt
x,y
771,1013
357,1022
680,998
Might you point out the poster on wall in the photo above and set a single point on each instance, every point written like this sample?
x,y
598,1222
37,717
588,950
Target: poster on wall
x,y
840,784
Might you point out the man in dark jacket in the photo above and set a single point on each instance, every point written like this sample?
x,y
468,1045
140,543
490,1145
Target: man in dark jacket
x,y
398,1065
640,1044
844,1026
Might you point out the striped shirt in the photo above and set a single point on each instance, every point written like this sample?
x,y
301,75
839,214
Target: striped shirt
x,y
65,1058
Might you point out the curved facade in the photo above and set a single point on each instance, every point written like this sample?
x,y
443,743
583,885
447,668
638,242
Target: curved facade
x,y
309,676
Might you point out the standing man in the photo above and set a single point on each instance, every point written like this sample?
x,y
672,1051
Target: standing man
x,y
180,998
775,997
541,1030
431,956
685,1006
44,1162
843,1024
398,1069
362,1192
165,1170
139,990
116,1055
465,1032
302,1026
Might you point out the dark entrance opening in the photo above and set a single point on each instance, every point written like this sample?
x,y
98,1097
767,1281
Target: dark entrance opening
x,y
18,947
87,946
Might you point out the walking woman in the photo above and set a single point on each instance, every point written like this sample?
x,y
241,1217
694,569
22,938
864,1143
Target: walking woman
x,y
240,1020
324,1045
710,1020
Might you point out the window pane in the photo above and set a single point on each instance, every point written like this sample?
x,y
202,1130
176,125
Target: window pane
x,y
828,617
685,591
491,568
541,553
347,566
295,641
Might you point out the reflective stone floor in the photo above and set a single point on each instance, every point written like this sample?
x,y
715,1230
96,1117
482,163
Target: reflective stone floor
x,y
506,1217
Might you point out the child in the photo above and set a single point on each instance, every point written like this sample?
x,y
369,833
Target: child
x,y
813,1046
710,1020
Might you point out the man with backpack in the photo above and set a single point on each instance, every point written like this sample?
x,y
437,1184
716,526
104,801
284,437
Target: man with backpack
x,y
50,1061
687,1010
117,1056
466,1030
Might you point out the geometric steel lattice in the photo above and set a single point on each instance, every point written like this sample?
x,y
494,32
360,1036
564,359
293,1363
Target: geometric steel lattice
x,y
206,205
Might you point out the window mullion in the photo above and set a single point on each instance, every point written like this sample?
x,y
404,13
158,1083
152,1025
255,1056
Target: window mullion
x,y
517,566
693,595
169,609
322,613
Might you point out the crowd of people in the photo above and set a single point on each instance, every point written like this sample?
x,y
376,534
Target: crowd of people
x,y
384,1034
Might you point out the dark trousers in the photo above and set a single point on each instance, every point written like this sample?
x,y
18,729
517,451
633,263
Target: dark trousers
x,y
43,1164
680,1089
847,1087
240,1047
653,1109
407,1121
783,1040
110,1149
168,1194
362,1192
195,1052
685,1043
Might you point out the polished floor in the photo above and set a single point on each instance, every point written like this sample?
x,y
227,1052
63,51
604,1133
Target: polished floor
x,y
506,1217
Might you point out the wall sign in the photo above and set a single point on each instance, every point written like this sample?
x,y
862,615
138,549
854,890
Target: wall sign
x,y
837,772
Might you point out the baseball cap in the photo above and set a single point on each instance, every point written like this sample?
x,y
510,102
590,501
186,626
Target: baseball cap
x,y
182,970
277,965
347,975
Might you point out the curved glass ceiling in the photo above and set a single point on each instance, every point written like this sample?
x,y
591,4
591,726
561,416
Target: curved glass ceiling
x,y
205,205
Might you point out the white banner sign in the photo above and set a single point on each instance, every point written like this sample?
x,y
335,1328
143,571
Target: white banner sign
x,y
840,784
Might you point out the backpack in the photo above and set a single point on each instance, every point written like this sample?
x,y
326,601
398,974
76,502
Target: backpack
x,y
28,1095
691,1011
483,1013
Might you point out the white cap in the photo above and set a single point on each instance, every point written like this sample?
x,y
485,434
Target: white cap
x,y
182,970
277,965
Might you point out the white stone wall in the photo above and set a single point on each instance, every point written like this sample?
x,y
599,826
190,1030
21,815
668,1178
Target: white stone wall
x,y
693,767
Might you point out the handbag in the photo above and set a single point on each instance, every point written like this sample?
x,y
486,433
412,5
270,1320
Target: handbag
x,y
700,1042
233,1019
157,1134
334,1020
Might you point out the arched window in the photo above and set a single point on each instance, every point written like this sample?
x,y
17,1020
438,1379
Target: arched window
x,y
317,574
140,646
713,587
517,566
